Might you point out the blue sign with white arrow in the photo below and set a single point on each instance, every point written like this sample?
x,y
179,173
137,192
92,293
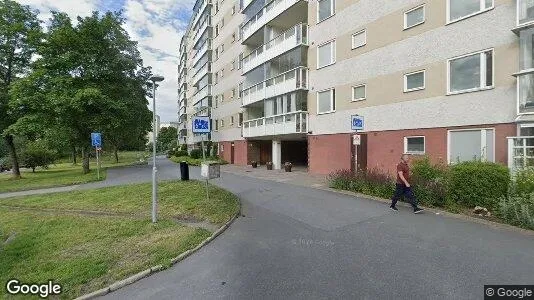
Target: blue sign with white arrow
x,y
96,139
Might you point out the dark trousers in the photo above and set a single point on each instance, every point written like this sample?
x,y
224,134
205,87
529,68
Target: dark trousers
x,y
402,190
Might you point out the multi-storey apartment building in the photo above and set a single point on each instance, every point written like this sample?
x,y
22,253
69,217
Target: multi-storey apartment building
x,y
451,79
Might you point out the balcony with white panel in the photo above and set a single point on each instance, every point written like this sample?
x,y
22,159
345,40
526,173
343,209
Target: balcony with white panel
x,y
288,123
201,72
288,40
292,80
200,32
197,16
202,49
201,94
269,12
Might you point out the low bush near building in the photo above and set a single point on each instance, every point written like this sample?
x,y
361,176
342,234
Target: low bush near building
x,y
430,182
523,182
517,210
196,153
372,182
478,183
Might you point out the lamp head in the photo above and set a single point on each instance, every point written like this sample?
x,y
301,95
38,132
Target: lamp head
x,y
156,78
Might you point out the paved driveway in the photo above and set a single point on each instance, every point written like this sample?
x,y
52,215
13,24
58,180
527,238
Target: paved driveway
x,y
295,242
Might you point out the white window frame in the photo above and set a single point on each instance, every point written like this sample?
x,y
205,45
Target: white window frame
x,y
482,74
364,32
517,16
423,6
482,138
332,6
414,152
481,11
365,93
332,55
332,101
406,90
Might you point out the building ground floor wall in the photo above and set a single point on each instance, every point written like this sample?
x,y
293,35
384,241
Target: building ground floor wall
x,y
328,153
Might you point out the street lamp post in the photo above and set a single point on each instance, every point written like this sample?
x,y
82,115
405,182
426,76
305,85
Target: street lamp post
x,y
154,79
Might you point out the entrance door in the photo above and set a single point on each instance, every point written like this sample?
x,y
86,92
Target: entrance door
x,y
232,154
359,154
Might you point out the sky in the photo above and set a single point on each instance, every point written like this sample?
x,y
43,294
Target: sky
x,y
157,25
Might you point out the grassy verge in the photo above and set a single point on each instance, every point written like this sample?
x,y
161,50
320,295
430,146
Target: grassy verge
x,y
196,161
86,251
65,173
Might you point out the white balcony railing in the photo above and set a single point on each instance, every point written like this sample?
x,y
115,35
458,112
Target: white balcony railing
x,y
289,81
284,42
289,123
200,11
205,69
201,94
206,45
202,29
265,15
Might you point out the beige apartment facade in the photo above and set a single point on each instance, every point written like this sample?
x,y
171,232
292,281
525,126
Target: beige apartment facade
x,y
450,79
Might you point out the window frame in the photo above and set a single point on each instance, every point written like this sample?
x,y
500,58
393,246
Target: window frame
x,y
518,24
332,6
481,137
423,6
481,11
482,74
414,152
332,54
406,90
365,92
363,31
332,101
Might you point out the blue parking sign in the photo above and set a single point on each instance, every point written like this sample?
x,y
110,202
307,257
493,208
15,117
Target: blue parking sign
x,y
201,125
356,122
96,139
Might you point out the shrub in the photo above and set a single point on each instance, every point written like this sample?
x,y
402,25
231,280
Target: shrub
x,y
478,183
429,182
517,210
196,153
371,182
180,153
36,154
424,171
524,181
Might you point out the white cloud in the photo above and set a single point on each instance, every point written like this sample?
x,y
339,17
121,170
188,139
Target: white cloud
x,y
81,8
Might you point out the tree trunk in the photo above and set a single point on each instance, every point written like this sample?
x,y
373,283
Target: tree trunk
x,y
116,152
85,160
14,159
33,169
74,155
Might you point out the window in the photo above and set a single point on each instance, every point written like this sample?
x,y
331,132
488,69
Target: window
x,y
232,120
414,17
326,54
359,92
216,79
222,22
233,93
216,6
240,89
222,48
414,81
471,72
216,53
233,10
359,39
222,123
467,145
216,30
240,120
461,9
222,147
222,98
326,101
325,9
222,73
525,12
414,145
216,125
233,37
240,61
232,65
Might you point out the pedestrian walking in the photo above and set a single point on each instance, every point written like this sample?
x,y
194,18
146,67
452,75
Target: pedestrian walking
x,y
403,186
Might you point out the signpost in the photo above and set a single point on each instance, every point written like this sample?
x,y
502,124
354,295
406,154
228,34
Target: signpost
x,y
202,125
356,123
96,141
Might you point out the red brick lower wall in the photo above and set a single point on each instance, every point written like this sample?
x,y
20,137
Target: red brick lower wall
x,y
328,153
240,152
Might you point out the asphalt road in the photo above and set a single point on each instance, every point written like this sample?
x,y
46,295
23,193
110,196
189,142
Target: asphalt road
x,y
302,243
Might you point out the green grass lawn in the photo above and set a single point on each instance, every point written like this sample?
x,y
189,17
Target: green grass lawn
x,y
86,251
64,173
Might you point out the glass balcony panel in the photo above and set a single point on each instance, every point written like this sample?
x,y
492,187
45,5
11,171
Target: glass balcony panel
x,y
525,12
526,93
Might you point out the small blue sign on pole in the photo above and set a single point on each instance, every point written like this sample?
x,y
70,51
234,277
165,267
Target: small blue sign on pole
x,y
96,139
201,125
356,122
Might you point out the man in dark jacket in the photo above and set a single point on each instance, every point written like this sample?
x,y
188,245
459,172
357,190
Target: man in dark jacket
x,y
403,187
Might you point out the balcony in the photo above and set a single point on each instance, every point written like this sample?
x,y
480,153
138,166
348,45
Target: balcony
x,y
200,11
284,83
203,71
202,50
265,15
202,28
291,38
289,123
201,94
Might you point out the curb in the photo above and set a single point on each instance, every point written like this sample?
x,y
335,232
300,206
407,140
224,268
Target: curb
x,y
136,277
489,223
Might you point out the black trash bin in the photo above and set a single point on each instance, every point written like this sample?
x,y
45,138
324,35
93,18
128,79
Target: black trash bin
x,y
184,171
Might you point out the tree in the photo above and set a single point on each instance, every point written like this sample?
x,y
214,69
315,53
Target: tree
x,y
20,34
37,154
167,138
89,78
